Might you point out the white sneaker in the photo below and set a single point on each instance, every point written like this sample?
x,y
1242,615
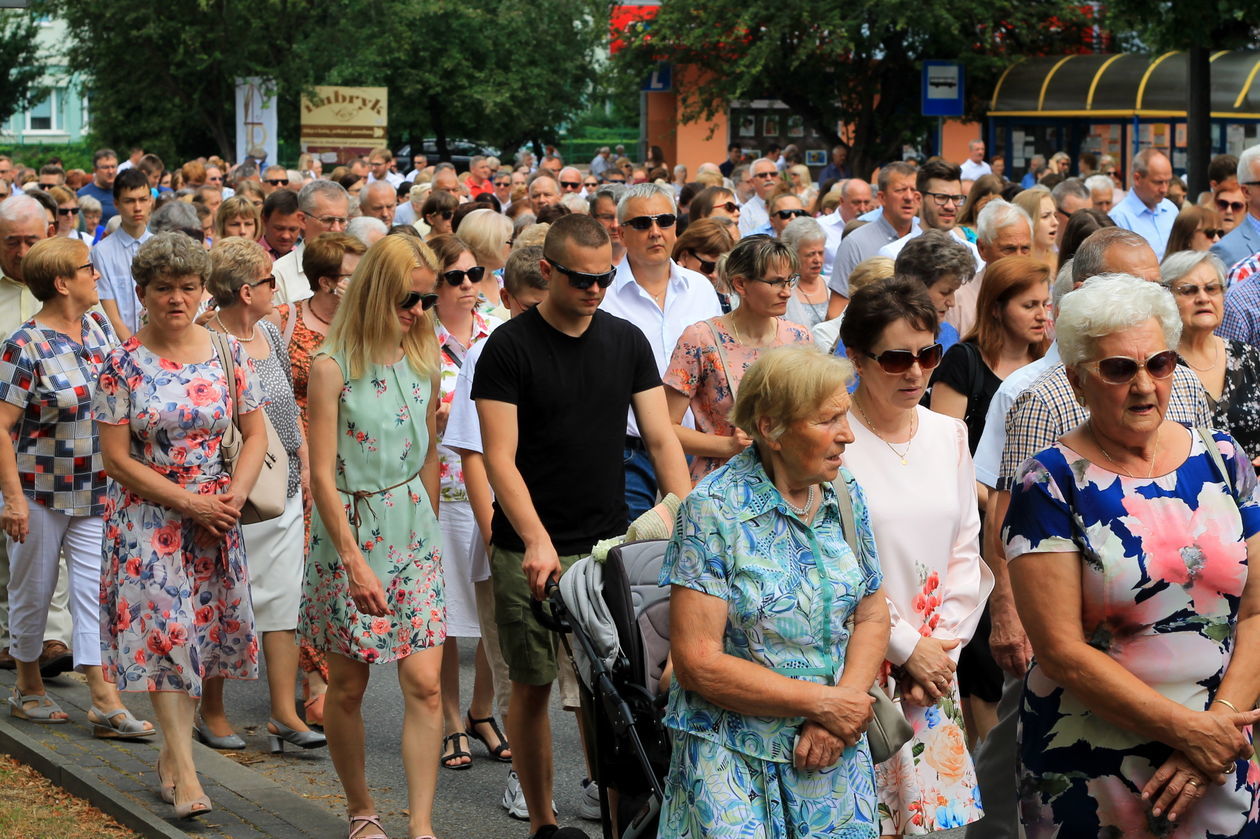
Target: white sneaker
x,y
514,799
588,801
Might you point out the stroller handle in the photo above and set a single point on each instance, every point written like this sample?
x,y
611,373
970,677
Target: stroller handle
x,y
557,619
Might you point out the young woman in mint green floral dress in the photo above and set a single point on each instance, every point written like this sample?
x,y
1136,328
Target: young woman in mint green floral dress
x,y
373,587
777,628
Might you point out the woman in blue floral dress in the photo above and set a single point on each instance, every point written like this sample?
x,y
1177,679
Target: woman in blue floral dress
x,y
777,628
175,604
373,586
1129,543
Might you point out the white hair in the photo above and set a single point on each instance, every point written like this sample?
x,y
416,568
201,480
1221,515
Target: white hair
x,y
1063,283
576,203
19,207
648,190
367,229
1248,164
801,231
1109,303
1099,183
998,214
1177,265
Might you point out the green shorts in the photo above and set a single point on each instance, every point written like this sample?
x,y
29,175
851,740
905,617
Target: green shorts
x,y
528,647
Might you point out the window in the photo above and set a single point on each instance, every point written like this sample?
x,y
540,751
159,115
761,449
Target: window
x,y
45,115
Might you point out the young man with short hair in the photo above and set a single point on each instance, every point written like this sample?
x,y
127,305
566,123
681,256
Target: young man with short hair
x,y
112,257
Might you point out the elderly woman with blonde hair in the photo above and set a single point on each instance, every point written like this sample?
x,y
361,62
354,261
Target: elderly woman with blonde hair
x,y
489,236
1129,542
778,627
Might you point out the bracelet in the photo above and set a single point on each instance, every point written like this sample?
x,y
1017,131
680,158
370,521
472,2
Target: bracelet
x,y
1227,704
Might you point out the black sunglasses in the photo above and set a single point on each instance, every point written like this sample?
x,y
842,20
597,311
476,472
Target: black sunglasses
x,y
729,206
664,221
706,266
445,214
427,301
1120,369
899,361
1213,232
787,214
571,184
278,181
474,275
1236,206
582,281
67,211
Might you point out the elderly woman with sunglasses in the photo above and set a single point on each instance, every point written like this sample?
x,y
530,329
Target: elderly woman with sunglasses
x,y
1129,542
242,285
461,326
1229,370
915,468
372,593
711,356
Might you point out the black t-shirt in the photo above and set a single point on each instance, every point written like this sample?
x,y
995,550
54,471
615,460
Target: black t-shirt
x,y
571,397
964,370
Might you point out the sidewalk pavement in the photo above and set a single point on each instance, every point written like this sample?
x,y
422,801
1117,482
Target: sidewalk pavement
x,y
118,777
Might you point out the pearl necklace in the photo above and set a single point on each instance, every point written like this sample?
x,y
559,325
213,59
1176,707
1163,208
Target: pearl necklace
x,y
809,502
902,456
252,331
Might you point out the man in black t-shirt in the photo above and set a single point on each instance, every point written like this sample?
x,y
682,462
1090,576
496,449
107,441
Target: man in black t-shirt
x,y
552,389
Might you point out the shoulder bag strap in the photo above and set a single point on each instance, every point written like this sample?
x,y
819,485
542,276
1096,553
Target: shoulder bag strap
x,y
1214,452
224,349
722,359
290,322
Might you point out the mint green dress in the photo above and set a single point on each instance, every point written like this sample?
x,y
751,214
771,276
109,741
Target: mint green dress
x,y
382,440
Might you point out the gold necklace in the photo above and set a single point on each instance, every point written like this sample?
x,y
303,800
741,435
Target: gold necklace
x,y
1112,461
740,340
900,455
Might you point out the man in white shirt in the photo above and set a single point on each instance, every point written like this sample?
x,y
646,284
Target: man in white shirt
x,y
379,200
898,217
974,166
661,298
855,199
765,178
113,256
324,207
380,162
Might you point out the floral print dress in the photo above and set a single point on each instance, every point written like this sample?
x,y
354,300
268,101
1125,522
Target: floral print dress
x,y
173,613
1163,565
382,442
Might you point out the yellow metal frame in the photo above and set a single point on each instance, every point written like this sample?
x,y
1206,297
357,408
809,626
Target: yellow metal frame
x,y
1247,84
1093,85
1141,91
1045,83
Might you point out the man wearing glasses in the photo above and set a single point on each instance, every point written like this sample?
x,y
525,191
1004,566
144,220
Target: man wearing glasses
x,y
104,169
571,182
754,214
898,218
660,297
1146,210
555,379
323,208
379,164
274,178
1244,239
113,256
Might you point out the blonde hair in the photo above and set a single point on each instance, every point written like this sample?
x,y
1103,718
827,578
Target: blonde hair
x,y
486,232
787,384
238,206
49,259
235,262
870,270
366,326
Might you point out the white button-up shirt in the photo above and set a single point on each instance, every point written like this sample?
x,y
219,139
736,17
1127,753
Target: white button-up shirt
x,y
112,258
689,298
752,215
291,282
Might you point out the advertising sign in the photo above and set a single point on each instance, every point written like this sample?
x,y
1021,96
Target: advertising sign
x,y
343,122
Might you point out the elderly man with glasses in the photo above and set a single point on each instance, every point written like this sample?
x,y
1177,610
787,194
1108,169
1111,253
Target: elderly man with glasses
x,y
766,179
324,208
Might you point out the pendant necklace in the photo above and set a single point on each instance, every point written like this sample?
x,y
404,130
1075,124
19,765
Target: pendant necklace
x,y
900,455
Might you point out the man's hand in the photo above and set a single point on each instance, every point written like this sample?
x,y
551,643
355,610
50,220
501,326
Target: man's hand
x,y
541,563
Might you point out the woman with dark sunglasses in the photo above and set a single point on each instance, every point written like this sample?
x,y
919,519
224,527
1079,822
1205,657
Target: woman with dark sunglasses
x,y
915,468
438,212
1196,228
68,214
1128,543
460,326
373,587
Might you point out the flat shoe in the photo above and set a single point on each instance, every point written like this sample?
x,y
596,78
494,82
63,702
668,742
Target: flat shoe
x,y
366,822
119,724
55,659
453,740
497,751
42,713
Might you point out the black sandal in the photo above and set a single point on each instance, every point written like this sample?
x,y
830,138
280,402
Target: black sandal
x,y
456,752
497,751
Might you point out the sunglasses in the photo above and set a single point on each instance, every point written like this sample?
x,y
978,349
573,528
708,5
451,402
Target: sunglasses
x,y
1213,232
474,275
787,214
706,266
427,301
1120,369
766,175
664,221
899,361
729,206
67,211
268,280
571,184
445,214
1223,205
278,181
582,281
616,180
589,184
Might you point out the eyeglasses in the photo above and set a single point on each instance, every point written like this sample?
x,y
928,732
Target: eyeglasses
x,y
787,214
332,221
84,266
706,266
426,301
1223,205
270,280
217,180
277,181
67,211
781,283
571,184
1189,290
474,275
729,206
1120,369
582,281
1213,232
899,361
616,180
943,198
664,221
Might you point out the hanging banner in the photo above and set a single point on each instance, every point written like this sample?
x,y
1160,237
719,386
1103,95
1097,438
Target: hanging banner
x,y
256,119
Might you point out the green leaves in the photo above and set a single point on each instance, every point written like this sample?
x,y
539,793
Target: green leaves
x,y
18,86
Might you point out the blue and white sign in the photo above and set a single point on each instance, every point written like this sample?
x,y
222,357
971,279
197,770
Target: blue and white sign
x,y
660,80
942,89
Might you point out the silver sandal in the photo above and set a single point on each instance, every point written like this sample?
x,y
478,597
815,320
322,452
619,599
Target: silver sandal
x,y
119,724
43,711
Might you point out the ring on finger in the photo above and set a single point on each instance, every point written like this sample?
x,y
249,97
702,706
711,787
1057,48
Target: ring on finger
x,y
1192,782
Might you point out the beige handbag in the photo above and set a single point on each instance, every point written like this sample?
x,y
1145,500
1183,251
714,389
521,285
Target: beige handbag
x,y
267,499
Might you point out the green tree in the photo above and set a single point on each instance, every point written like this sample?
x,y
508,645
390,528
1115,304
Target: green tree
x,y
18,52
856,63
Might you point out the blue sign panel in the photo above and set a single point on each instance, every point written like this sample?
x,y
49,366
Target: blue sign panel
x,y
942,89
660,80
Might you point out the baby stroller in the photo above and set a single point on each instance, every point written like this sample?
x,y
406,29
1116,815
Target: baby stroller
x,y
618,617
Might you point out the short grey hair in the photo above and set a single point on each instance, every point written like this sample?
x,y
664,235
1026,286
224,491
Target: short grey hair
x,y
612,192
322,186
20,206
647,190
1071,187
996,215
802,231
360,226
1142,160
1110,303
175,216
1099,183
1091,256
172,255
1177,265
1248,163
576,203
88,204
375,186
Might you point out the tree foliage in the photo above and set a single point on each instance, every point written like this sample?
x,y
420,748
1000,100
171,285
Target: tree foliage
x,y
19,83
162,74
1175,24
856,63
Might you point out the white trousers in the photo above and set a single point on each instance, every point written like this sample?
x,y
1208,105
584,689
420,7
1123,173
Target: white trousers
x,y
34,571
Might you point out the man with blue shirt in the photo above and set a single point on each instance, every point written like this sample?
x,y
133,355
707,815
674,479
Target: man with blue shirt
x,y
1146,210
1244,239
112,257
765,178
101,187
898,217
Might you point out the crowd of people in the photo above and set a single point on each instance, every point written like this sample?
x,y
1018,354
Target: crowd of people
x,y
982,448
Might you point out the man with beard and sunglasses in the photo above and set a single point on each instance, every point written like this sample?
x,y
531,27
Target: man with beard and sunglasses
x,y
659,296
559,378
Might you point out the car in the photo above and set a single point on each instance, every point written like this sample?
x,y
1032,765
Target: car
x,y
460,151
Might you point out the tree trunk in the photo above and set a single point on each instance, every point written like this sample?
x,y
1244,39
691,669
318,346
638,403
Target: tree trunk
x,y
439,127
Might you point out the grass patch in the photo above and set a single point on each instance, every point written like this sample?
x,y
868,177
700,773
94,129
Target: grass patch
x,y
32,807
